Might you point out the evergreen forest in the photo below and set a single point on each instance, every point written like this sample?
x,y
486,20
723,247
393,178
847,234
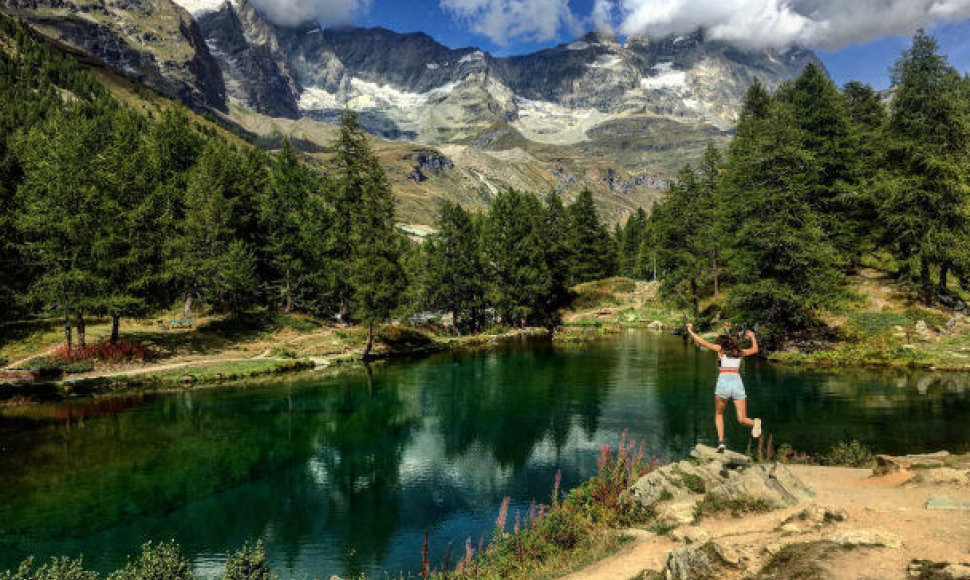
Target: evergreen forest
x,y
108,211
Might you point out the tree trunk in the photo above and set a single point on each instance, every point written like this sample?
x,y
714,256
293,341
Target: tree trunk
x,y
694,299
189,298
81,339
115,322
288,307
926,284
68,333
370,341
944,272
714,271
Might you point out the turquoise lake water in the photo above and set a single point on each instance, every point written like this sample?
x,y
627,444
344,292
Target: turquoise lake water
x,y
344,473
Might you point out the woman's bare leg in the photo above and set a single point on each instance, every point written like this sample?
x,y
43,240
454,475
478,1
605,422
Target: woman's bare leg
x,y
719,406
741,408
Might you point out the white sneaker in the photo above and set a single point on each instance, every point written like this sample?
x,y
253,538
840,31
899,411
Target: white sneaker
x,y
756,430
721,447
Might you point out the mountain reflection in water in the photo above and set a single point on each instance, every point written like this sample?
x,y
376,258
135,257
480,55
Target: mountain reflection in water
x,y
342,474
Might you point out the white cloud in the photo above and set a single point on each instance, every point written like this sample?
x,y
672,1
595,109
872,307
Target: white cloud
x,y
505,21
603,15
293,12
825,24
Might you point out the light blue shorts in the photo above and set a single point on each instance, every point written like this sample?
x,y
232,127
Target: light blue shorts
x,y
729,386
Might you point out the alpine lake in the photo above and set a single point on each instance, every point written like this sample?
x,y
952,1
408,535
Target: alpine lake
x,y
343,472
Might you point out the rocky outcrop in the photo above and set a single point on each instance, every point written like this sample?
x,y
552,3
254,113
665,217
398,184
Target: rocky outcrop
x,y
427,161
678,488
253,69
155,42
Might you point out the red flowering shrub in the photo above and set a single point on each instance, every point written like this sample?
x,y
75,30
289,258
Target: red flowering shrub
x,y
104,351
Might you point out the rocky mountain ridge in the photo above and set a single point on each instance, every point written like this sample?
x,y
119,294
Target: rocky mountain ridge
x,y
617,117
409,86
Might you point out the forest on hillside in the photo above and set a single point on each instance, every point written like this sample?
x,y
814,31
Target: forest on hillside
x,y
109,212
105,211
816,183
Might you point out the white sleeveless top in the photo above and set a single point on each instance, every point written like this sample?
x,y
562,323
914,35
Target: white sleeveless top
x,y
727,364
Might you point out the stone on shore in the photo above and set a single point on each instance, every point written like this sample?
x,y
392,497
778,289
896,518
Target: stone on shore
x,y
730,476
945,502
868,538
687,564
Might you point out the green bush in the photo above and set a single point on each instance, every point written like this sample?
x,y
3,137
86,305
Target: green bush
x,y
853,454
161,561
57,569
715,504
283,352
249,563
78,367
47,369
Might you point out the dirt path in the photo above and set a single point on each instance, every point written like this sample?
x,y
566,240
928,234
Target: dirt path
x,y
173,366
16,364
887,509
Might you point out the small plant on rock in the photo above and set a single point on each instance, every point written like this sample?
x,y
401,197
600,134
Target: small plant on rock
x,y
161,561
57,569
249,563
852,454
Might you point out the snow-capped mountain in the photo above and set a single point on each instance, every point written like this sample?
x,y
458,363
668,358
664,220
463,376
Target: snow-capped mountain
x,y
408,86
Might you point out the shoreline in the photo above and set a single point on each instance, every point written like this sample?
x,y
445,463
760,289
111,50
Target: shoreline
x,y
174,375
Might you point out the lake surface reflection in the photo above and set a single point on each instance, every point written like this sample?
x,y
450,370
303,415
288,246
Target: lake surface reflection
x,y
341,474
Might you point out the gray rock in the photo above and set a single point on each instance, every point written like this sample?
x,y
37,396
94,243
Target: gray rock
x,y
730,476
942,475
680,513
687,564
874,538
691,535
728,554
923,331
957,571
727,457
817,515
945,502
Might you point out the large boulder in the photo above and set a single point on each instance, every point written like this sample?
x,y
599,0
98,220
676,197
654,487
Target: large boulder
x,y
731,476
687,564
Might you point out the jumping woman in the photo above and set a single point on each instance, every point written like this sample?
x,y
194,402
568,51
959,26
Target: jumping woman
x,y
729,385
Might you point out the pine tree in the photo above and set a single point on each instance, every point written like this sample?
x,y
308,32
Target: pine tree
x,y
679,226
784,266
592,249
819,111
558,259
454,280
284,210
236,277
351,176
196,253
63,213
867,120
520,279
924,203
713,228
364,194
131,261
631,239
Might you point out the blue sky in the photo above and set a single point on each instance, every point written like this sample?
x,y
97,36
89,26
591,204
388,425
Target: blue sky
x,y
867,61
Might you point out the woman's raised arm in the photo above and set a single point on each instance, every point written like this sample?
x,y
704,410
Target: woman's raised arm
x,y
754,345
701,341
